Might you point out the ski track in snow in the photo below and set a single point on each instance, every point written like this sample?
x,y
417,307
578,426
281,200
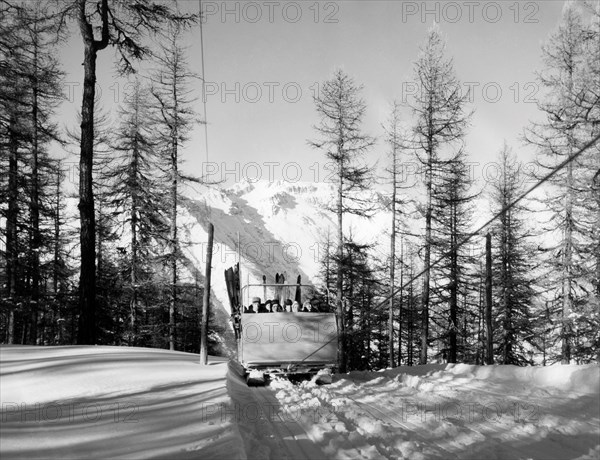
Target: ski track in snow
x,y
266,433
398,415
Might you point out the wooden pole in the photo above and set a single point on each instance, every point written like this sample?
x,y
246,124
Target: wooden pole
x,y
488,300
206,299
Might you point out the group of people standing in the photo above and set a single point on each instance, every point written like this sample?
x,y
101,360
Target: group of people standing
x,y
289,306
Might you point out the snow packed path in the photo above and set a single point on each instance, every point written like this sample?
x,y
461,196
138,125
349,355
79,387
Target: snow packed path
x,y
103,402
451,411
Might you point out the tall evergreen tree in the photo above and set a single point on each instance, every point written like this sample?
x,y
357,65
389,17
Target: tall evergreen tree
x,y
397,140
359,291
412,324
62,271
570,108
175,117
29,96
12,139
452,215
44,78
137,197
109,284
512,264
439,109
124,25
588,99
341,138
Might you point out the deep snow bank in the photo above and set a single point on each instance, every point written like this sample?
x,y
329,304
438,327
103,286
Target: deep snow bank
x,y
576,378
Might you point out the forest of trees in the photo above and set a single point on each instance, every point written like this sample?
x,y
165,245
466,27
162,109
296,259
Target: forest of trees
x,y
113,273
545,297
120,285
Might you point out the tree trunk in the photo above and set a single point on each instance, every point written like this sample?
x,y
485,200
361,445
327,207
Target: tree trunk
x,y
327,263
56,233
100,254
87,278
350,339
597,248
173,299
506,288
339,281
11,326
174,246
401,301
134,171
55,274
427,269
86,333
364,343
567,269
11,225
488,300
35,200
174,236
480,345
392,266
411,326
452,355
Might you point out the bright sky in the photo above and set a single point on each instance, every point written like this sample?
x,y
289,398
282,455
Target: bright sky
x,y
264,60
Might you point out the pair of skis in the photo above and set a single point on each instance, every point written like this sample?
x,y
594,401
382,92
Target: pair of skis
x,y
283,292
232,280
234,289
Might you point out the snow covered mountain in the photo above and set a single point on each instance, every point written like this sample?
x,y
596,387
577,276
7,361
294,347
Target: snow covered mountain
x,y
275,227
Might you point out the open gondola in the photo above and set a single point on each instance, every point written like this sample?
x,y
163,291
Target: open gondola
x,y
292,344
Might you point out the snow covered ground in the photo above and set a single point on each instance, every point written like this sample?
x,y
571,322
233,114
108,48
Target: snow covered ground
x,y
101,402
452,411
106,402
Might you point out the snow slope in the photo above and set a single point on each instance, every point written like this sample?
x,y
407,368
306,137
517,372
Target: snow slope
x,y
115,402
103,402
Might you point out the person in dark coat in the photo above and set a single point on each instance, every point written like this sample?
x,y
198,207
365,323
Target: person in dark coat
x,y
253,308
276,307
288,305
315,305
